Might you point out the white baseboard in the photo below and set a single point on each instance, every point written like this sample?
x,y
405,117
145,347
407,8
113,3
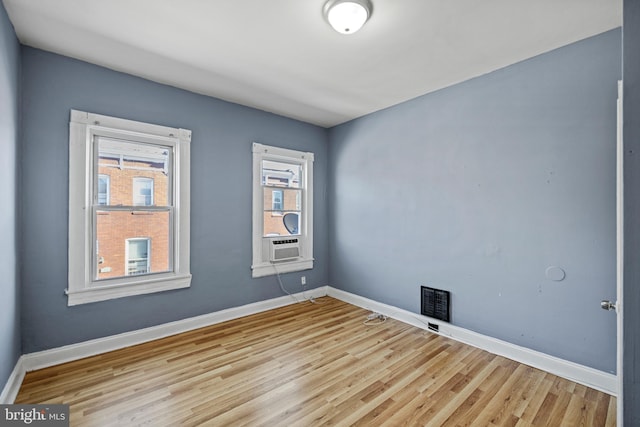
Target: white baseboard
x,y
581,374
68,353
11,388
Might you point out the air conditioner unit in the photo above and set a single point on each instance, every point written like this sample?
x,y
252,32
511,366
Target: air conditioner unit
x,y
284,250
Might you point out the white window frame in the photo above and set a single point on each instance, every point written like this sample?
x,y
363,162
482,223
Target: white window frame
x,y
261,266
83,287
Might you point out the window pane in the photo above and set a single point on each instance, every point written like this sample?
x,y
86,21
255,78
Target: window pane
x,y
282,190
281,205
142,192
277,200
137,256
280,174
132,243
103,189
138,173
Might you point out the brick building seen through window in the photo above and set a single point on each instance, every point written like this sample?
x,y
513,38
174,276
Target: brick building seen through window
x,y
132,242
282,198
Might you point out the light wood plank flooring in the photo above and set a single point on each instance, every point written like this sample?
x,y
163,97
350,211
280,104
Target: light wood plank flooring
x,y
307,365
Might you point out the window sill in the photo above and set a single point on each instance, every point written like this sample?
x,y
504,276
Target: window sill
x,y
103,293
269,269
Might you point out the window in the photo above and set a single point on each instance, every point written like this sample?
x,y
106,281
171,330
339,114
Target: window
x,y
142,191
276,201
103,189
137,256
282,210
128,208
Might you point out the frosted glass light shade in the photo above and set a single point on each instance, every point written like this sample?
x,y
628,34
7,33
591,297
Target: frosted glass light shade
x,y
347,16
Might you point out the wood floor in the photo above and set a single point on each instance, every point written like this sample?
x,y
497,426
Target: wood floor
x,y
307,365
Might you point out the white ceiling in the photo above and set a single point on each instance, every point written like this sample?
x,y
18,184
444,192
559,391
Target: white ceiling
x,y
281,55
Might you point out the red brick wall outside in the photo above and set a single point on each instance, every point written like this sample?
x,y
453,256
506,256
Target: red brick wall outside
x,y
115,227
273,221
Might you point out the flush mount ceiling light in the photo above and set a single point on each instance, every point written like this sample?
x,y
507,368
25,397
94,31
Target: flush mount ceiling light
x,y
347,16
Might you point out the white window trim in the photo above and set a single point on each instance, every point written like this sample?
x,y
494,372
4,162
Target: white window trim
x,y
260,264
82,288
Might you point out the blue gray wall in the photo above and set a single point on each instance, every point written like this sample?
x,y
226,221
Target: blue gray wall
x,y
631,290
220,198
10,347
478,189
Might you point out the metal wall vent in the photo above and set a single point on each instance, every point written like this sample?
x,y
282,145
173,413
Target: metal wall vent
x,y
436,303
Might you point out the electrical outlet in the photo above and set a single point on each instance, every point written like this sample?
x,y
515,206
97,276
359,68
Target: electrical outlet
x,y
303,280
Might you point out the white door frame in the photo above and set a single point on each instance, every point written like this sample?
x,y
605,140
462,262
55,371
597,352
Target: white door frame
x,y
619,252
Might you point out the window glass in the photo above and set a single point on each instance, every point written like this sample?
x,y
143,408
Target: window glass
x,y
103,189
142,191
281,174
277,200
115,227
144,168
282,188
132,217
137,256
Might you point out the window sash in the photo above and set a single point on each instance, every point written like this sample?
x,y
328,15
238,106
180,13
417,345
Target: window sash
x,y
282,177
96,254
137,182
134,140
